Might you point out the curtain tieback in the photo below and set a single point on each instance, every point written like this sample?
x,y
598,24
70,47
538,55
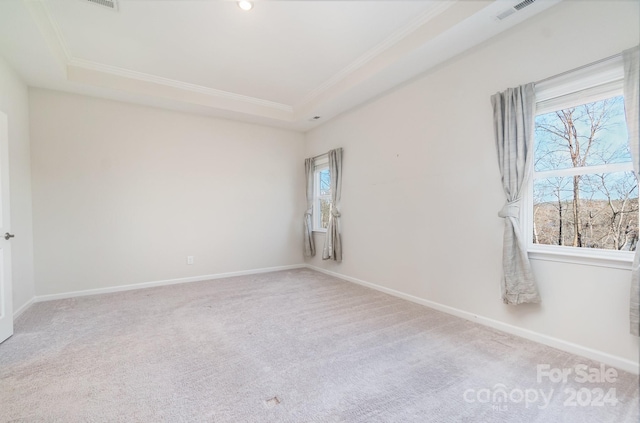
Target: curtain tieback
x,y
309,212
335,212
511,209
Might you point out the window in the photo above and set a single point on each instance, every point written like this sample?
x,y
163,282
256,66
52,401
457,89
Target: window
x,y
583,194
321,195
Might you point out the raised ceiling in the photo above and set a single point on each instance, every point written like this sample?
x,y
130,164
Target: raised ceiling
x,y
280,64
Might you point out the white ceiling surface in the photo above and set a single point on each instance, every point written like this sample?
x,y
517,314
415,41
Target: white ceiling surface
x,y
280,64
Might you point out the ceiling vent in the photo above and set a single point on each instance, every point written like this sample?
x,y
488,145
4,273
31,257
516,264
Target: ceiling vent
x,y
515,9
109,4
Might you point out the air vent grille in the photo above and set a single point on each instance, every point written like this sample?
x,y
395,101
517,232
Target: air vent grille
x,y
523,4
518,7
109,4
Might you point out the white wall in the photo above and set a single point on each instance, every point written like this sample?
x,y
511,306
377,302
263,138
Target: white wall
x,y
14,102
123,193
422,190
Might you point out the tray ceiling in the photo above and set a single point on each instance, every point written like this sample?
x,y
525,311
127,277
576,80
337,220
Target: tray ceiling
x,y
280,64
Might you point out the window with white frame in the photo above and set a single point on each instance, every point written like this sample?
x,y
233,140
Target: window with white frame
x,y
583,193
321,195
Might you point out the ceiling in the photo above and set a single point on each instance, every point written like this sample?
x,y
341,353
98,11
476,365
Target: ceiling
x,y
282,64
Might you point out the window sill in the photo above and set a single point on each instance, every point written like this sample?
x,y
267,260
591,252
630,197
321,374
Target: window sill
x,y
585,256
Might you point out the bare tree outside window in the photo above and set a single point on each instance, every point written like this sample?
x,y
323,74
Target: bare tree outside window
x,y
324,179
585,192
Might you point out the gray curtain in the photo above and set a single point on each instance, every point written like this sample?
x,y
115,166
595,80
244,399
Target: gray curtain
x,y
631,59
333,242
513,118
309,246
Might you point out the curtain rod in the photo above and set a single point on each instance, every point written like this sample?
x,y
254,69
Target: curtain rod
x,y
318,156
597,62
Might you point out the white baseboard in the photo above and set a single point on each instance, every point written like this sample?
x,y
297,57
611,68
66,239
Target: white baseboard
x,y
24,308
609,359
119,288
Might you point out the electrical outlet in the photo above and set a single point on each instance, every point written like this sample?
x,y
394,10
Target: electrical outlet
x,y
189,259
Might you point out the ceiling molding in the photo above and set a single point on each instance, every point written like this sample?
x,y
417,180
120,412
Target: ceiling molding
x,y
145,77
153,92
416,23
58,46
56,42
50,31
441,30
384,67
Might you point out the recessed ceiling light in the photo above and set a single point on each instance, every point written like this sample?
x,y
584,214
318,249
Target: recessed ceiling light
x,y
245,5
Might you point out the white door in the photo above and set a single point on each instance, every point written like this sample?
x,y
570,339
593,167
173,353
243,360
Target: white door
x,y
6,308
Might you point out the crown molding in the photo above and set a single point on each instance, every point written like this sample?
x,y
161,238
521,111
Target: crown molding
x,y
408,51
145,77
50,31
436,9
58,46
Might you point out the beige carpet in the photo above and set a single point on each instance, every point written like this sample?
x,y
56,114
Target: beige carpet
x,y
293,346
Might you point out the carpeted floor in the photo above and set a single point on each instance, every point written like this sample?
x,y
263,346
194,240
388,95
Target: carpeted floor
x,y
292,346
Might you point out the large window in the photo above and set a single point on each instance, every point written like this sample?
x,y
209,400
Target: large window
x,y
583,191
321,196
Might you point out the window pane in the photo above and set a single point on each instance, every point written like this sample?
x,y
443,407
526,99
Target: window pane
x,y
591,211
325,182
586,135
325,206
551,200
